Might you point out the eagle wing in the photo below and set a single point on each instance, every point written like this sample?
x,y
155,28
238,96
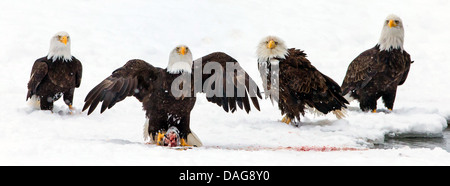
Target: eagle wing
x,y
240,85
360,71
308,84
78,73
407,59
38,72
133,79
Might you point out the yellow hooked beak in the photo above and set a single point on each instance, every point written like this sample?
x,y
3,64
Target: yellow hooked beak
x,y
182,50
392,23
63,39
271,44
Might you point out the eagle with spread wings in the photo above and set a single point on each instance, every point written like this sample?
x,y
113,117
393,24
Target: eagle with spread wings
x,y
168,94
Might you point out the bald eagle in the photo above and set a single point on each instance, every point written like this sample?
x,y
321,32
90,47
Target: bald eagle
x,y
292,81
55,75
378,71
168,95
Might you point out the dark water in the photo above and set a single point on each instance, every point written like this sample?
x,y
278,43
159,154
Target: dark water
x,y
418,142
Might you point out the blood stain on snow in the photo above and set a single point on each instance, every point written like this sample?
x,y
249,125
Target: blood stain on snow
x,y
289,148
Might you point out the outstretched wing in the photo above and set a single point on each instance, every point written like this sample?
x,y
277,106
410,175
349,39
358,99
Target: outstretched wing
x,y
360,71
38,72
133,79
229,85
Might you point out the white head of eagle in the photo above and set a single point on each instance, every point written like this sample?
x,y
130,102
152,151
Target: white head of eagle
x,y
60,47
392,34
180,60
271,47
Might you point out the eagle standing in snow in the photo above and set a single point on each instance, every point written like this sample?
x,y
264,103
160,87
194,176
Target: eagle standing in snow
x,y
167,109
291,80
378,71
55,75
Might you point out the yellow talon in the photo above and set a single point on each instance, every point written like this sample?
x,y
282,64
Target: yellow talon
x,y
374,111
286,120
390,109
183,143
159,139
71,109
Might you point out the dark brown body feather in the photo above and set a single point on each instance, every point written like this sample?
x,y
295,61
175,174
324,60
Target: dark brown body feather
x,y
374,74
301,85
152,86
49,80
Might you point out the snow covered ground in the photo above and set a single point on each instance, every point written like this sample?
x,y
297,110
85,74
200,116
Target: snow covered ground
x,y
105,34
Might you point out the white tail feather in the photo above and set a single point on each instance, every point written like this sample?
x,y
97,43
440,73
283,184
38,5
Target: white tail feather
x,y
340,114
349,98
35,102
193,140
147,136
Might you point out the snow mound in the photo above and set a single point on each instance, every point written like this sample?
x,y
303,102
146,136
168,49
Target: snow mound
x,y
407,122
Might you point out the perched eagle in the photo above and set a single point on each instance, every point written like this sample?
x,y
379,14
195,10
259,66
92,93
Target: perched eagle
x,y
378,71
55,75
168,95
291,80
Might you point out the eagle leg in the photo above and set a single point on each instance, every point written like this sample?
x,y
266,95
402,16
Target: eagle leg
x,y
389,99
160,138
172,138
71,109
47,103
184,144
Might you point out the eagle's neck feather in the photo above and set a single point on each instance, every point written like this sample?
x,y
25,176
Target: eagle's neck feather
x,y
267,56
60,53
391,39
179,67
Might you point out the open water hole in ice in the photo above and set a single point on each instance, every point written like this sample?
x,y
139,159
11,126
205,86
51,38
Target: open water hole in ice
x,y
418,142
